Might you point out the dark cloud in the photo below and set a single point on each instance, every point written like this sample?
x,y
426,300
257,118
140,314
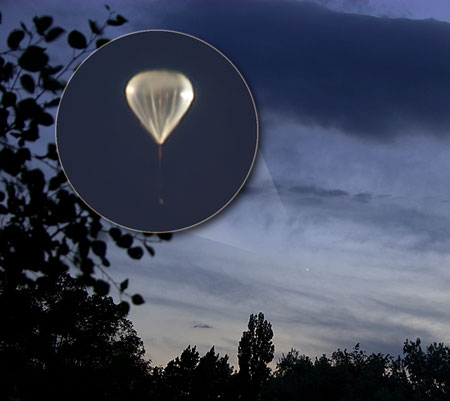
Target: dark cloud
x,y
317,192
363,197
367,76
306,192
202,326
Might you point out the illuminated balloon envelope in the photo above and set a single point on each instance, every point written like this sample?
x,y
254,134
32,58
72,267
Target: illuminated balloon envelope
x,y
159,99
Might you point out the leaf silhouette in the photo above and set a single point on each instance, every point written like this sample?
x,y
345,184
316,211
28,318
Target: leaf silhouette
x,y
76,40
14,38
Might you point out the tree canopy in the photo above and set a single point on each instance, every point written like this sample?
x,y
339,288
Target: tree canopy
x,y
62,342
45,228
255,352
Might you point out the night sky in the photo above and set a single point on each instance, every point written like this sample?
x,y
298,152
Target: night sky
x,y
112,161
342,234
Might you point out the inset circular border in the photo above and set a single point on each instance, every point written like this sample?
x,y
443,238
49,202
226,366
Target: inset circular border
x,y
257,139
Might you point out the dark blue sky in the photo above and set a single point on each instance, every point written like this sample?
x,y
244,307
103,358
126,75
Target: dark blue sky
x,y
342,233
363,75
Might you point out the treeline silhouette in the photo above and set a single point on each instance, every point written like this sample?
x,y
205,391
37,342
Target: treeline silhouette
x,y
60,342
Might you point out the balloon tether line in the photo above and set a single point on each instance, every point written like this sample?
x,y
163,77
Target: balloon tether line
x,y
159,154
161,198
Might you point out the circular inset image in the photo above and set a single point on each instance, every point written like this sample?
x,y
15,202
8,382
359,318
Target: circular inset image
x,y
157,131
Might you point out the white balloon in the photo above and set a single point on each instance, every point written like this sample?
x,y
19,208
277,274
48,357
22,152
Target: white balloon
x,y
159,99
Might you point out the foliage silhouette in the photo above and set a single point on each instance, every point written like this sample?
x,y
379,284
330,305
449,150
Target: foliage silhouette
x,y
194,378
255,352
356,376
59,342
45,229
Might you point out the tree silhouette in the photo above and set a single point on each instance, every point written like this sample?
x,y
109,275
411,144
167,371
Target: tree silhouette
x,y
255,352
428,371
45,229
212,378
59,342
179,375
355,376
194,378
